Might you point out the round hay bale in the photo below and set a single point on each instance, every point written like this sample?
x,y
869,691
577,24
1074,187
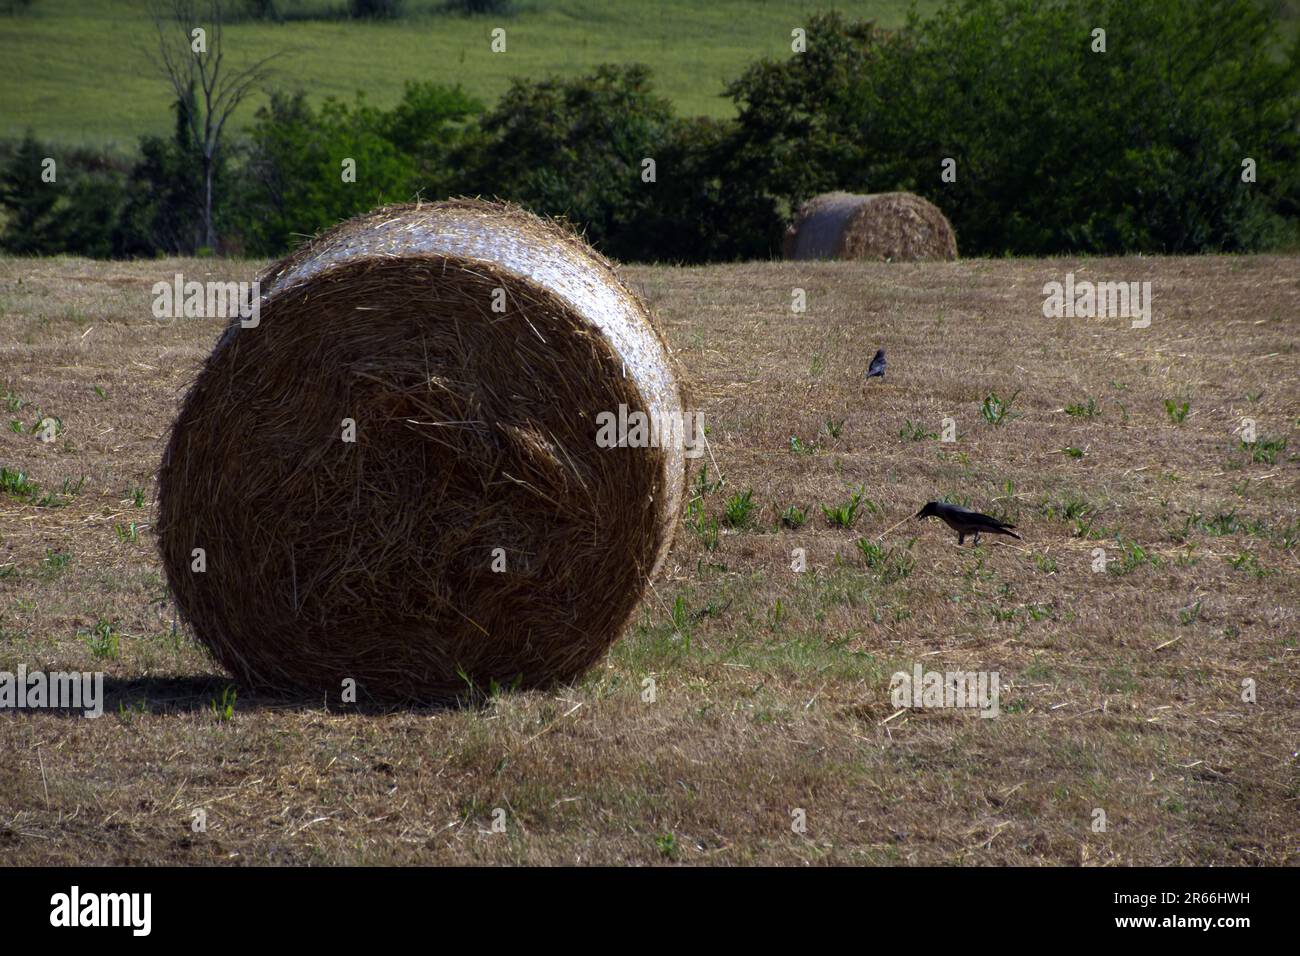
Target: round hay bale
x,y
898,227
473,532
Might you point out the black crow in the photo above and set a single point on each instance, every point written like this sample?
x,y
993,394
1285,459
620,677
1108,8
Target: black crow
x,y
964,521
877,367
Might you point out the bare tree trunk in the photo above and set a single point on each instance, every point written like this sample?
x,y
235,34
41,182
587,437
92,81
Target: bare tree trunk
x,y
175,22
209,229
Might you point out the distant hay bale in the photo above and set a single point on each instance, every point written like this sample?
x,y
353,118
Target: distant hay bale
x,y
899,227
475,430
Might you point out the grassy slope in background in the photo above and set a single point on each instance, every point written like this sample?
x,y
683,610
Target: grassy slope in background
x,y
79,72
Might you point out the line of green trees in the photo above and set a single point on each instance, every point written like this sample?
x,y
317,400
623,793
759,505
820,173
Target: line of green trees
x,y
1175,129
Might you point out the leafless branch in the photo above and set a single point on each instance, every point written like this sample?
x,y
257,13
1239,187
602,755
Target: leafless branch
x,y
200,80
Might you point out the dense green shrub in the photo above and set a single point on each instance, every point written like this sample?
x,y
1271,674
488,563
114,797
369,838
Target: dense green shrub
x,y
163,207
1058,148
75,214
293,183
32,225
798,133
89,220
705,206
375,9
499,8
575,148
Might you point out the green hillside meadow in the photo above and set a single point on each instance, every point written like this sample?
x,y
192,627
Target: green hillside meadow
x,y
80,72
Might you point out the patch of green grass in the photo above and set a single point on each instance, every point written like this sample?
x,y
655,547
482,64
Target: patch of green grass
x,y
997,410
1177,411
843,516
128,533
113,95
707,530
1219,524
1040,612
1248,562
794,517
1189,615
17,485
915,431
1132,556
776,615
800,447
1045,563
223,708
666,844
842,585
1118,680
1038,670
890,564
653,643
1287,536
803,653
1080,410
55,561
740,508
137,708
660,640
1071,507
702,487
104,640
833,427
681,618
496,689
1264,451
1084,527
1072,452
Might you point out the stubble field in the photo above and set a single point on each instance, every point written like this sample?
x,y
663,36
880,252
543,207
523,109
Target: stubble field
x,y
1121,690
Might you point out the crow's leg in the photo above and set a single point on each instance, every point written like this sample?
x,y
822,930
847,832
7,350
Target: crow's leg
x,y
977,537
961,538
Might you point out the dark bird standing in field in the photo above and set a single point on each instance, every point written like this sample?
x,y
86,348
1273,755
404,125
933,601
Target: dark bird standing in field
x,y
964,521
877,367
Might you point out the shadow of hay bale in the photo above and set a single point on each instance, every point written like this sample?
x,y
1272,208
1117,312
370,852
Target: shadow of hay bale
x,y
897,227
471,533
200,694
